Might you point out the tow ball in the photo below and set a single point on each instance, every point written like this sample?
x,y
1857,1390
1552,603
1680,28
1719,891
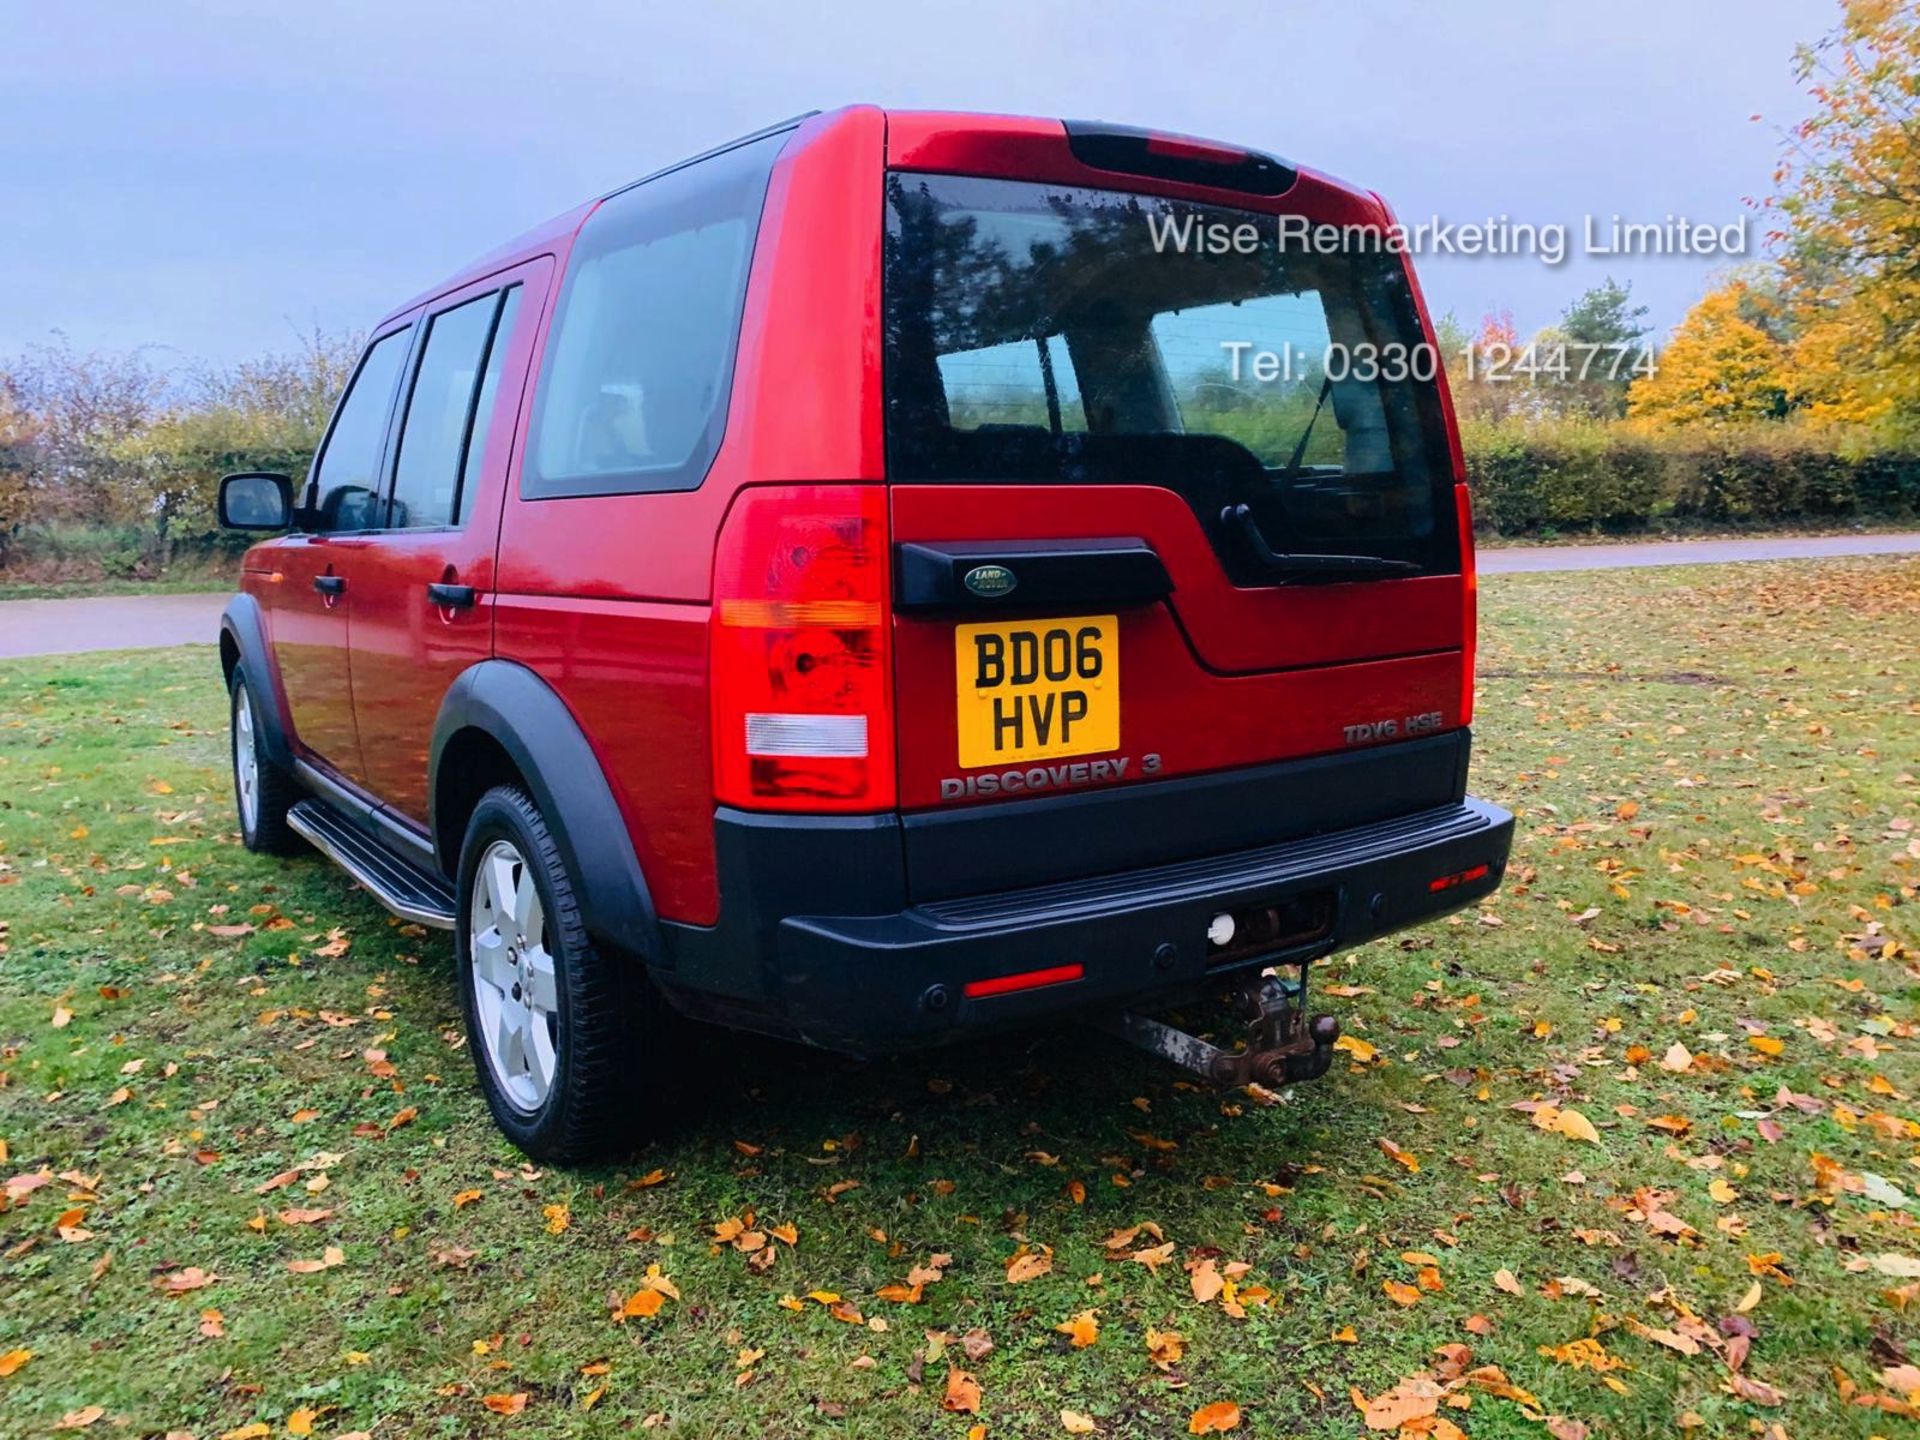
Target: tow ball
x,y
1282,1045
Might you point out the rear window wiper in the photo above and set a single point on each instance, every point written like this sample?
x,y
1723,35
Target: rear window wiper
x,y
1333,567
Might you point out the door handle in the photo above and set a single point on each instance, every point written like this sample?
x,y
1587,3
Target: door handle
x,y
330,584
452,597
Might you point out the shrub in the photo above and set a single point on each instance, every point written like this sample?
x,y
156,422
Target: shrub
x,y
1587,475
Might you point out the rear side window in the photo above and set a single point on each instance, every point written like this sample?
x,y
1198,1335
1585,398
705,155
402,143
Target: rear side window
x,y
634,385
440,411
346,478
1024,382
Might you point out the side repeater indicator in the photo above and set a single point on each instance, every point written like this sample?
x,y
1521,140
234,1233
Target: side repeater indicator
x,y
990,581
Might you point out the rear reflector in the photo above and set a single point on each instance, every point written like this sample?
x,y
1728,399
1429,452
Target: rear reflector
x,y
1460,877
1025,980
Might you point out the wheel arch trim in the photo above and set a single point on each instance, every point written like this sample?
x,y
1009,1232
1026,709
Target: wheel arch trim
x,y
243,632
528,720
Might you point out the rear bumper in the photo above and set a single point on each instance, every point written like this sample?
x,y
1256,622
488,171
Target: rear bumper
x,y
869,980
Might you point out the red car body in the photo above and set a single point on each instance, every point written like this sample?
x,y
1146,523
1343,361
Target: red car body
x,y
1276,714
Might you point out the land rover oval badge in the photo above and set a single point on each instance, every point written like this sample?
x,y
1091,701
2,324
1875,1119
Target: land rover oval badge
x,y
989,581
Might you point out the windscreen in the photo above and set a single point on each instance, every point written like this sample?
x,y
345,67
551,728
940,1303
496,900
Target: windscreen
x,y
1050,334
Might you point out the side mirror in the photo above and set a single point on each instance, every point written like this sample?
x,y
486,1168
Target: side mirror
x,y
256,500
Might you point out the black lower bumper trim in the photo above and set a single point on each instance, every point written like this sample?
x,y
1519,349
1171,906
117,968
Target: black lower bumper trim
x,y
879,982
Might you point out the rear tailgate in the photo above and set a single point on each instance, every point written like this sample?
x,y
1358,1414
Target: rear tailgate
x,y
1159,510
1210,677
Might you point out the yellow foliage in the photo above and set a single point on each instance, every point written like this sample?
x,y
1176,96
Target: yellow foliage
x,y
1719,369
1849,182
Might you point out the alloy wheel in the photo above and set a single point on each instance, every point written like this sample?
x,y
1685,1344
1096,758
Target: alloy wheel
x,y
246,759
515,989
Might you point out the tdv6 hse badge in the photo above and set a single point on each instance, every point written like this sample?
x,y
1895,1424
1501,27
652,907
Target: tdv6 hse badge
x,y
1371,730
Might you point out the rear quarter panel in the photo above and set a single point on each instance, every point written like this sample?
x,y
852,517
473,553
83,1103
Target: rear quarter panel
x,y
607,598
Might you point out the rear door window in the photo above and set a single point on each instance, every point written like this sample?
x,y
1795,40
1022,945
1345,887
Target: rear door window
x,y
439,415
483,407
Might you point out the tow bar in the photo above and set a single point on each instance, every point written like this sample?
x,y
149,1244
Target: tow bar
x,y
1282,1047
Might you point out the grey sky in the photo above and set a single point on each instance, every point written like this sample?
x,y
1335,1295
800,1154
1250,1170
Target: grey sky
x,y
210,178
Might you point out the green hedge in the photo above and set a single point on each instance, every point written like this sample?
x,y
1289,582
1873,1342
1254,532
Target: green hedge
x,y
1609,477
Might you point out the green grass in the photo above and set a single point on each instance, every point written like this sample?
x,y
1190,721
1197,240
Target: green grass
x,y
1763,721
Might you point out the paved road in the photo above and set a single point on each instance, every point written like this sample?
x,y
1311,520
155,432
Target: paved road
x,y
1530,558
107,622
126,622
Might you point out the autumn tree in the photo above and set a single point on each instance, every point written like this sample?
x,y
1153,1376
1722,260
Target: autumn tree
x,y
19,432
84,406
263,414
1481,369
1601,330
1850,206
1719,368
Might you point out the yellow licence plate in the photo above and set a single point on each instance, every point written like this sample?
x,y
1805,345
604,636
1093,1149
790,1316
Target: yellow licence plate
x,y
1037,689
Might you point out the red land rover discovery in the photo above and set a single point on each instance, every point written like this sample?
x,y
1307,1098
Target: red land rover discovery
x,y
895,576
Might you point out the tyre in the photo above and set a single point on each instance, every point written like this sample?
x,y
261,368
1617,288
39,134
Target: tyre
x,y
262,791
570,1044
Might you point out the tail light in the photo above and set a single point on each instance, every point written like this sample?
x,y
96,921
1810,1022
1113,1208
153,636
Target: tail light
x,y
800,672
1470,602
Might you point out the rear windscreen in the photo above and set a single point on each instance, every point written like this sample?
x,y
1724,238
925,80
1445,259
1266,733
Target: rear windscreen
x,y
1051,334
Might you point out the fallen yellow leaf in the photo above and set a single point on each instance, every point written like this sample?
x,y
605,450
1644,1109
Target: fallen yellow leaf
x,y
1084,1328
1165,1347
1205,1280
963,1393
1215,1419
333,1255
643,1303
1029,1265
1576,1126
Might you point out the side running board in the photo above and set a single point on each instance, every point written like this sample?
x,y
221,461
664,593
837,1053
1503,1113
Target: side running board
x,y
404,888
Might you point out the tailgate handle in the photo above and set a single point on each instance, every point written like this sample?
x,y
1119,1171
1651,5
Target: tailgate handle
x,y
1025,575
1310,567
